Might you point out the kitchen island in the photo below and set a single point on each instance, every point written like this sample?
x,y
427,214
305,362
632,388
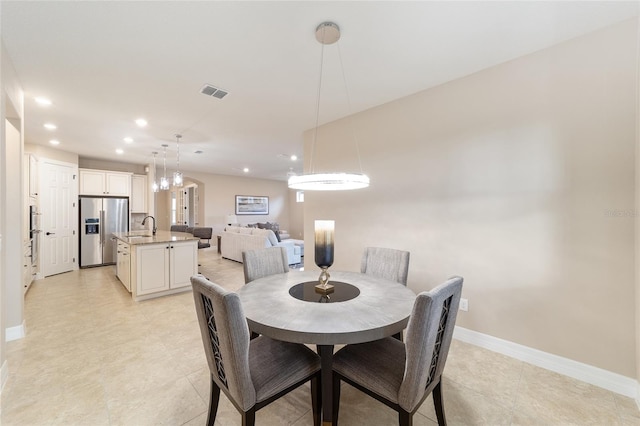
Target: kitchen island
x,y
156,265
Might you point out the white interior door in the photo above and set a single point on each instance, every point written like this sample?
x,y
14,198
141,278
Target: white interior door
x,y
182,217
59,200
196,222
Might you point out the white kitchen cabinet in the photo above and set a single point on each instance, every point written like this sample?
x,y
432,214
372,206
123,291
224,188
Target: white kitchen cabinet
x,y
102,182
163,268
33,177
183,264
138,194
123,264
152,268
27,269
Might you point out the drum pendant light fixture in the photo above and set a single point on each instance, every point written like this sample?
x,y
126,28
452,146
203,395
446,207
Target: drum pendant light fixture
x,y
177,175
328,33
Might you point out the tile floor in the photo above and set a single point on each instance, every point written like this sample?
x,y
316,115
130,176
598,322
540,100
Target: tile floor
x,y
92,356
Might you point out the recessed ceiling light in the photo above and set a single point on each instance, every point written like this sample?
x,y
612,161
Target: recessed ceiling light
x,y
50,126
294,157
128,139
54,142
246,170
119,151
141,122
43,101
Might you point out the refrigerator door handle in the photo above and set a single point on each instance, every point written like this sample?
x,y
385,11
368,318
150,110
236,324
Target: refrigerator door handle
x,y
102,227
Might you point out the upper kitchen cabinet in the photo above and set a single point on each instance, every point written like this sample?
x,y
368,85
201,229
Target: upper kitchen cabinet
x,y
138,194
31,177
102,182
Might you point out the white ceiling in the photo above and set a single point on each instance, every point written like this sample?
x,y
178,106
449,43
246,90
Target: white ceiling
x,y
104,64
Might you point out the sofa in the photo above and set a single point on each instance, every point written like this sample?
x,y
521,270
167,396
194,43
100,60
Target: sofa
x,y
236,239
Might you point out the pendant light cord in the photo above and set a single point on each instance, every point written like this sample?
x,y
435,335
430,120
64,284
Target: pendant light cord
x,y
349,109
178,136
164,161
315,133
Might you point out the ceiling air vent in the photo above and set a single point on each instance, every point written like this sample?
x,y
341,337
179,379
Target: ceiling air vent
x,y
210,90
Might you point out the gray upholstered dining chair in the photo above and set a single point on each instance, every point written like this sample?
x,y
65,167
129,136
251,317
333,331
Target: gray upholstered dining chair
x,y
386,263
402,375
178,228
251,373
264,262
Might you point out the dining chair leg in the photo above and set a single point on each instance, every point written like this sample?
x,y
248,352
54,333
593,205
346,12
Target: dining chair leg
x,y
405,418
437,403
214,399
316,400
336,399
249,417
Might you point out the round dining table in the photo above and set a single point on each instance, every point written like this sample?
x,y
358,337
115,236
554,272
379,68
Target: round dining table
x,y
361,308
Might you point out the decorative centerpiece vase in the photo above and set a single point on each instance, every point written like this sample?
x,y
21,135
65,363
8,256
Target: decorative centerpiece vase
x,y
324,253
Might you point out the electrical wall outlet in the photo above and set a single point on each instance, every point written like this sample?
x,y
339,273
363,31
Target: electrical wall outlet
x,y
464,304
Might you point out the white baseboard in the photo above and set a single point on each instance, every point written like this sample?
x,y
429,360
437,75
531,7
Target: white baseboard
x,y
15,333
596,376
4,375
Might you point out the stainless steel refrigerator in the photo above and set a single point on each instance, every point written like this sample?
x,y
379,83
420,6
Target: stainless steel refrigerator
x,y
99,219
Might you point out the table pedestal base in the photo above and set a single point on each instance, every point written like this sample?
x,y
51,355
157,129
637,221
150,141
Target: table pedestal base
x,y
326,361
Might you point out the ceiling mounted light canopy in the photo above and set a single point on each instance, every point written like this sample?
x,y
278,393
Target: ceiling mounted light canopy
x,y
328,33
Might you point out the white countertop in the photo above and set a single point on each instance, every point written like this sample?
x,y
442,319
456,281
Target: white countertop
x,y
145,237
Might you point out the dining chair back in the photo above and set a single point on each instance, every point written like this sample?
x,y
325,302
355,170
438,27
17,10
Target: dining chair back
x,y
251,373
386,263
264,262
402,375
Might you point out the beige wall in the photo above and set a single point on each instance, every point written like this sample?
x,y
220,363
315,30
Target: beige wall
x,y
51,153
219,199
513,178
11,214
116,166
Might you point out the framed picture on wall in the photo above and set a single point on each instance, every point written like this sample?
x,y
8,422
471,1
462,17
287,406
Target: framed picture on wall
x,y
251,204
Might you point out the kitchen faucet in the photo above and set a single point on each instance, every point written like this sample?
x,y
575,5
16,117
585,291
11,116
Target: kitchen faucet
x,y
154,229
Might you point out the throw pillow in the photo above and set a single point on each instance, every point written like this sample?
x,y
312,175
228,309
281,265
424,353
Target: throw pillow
x,y
272,238
262,225
277,235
